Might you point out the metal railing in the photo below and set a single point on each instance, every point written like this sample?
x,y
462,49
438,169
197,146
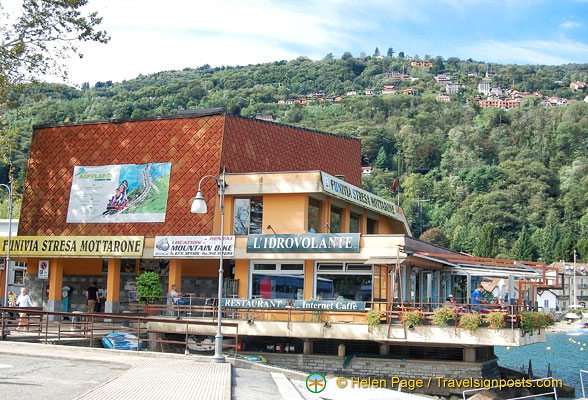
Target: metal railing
x,y
60,326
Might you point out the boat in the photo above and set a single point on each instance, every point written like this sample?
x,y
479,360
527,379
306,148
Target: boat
x,y
205,345
247,357
578,332
121,341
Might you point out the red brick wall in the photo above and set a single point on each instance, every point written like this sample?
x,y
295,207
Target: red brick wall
x,y
258,146
192,145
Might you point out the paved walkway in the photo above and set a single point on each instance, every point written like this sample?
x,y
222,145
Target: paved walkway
x,y
150,376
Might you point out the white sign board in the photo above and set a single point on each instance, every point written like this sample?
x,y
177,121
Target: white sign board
x,y
193,246
119,193
43,269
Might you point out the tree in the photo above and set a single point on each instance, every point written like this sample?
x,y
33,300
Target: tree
x,y
401,54
390,52
377,52
524,248
487,245
45,32
435,236
381,159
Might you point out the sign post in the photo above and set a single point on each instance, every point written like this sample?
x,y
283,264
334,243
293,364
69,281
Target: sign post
x,y
43,269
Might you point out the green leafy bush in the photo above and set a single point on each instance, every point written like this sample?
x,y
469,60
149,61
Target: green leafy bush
x,y
412,318
373,319
149,288
443,315
495,319
531,320
470,321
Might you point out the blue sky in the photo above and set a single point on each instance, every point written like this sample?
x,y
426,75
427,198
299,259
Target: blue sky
x,y
150,36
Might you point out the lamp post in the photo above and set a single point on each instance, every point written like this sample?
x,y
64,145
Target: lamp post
x,y
7,265
199,207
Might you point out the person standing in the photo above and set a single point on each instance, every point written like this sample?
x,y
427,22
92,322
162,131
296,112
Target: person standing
x,y
93,297
477,298
23,301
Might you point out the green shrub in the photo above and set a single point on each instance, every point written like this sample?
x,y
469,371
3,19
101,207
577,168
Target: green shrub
x,y
531,320
149,288
495,319
470,321
373,319
412,318
443,315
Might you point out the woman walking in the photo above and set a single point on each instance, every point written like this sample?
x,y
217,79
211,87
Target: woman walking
x,y
23,301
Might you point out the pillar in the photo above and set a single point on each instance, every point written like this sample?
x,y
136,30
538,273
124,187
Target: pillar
x,y
112,304
308,279
468,289
469,354
175,274
511,290
2,279
325,215
363,222
307,349
405,283
346,218
55,284
384,349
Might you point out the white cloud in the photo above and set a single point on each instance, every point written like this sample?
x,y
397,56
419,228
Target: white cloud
x,y
570,25
529,52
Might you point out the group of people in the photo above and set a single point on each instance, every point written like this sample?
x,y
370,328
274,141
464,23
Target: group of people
x,y
119,200
478,300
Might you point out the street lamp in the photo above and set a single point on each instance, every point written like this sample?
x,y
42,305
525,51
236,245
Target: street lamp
x,y
199,207
7,265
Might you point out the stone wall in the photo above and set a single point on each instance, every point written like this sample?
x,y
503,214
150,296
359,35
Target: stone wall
x,y
377,368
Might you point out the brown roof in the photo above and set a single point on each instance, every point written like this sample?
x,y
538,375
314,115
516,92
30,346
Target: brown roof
x,y
194,143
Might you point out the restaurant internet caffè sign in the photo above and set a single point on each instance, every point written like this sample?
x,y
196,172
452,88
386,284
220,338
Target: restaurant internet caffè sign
x,y
277,304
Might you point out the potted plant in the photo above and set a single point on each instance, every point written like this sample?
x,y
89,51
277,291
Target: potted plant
x,y
373,319
441,316
411,318
532,320
495,319
149,289
470,321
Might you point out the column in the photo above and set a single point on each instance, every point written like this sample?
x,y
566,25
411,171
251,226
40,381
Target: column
x,y
308,279
55,284
511,289
468,289
469,354
2,278
175,274
307,349
112,304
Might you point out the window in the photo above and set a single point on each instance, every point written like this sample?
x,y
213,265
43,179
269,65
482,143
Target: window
x,y
336,219
314,215
277,281
340,281
371,226
354,223
18,270
546,303
248,215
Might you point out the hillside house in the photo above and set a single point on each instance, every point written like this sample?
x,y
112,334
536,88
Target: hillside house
x,y
443,97
426,64
578,85
388,89
370,92
453,88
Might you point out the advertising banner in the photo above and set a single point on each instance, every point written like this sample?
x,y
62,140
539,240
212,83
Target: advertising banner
x,y
119,193
70,246
304,243
193,246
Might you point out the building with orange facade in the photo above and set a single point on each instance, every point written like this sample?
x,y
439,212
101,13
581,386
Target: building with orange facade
x,y
308,252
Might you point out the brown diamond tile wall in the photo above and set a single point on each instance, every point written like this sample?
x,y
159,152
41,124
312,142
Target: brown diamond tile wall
x,y
259,146
192,145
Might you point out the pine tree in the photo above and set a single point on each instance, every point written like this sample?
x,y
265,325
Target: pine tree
x,y
524,248
487,245
376,52
381,159
390,52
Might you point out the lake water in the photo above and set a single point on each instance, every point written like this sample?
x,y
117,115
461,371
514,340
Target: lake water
x,y
565,357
